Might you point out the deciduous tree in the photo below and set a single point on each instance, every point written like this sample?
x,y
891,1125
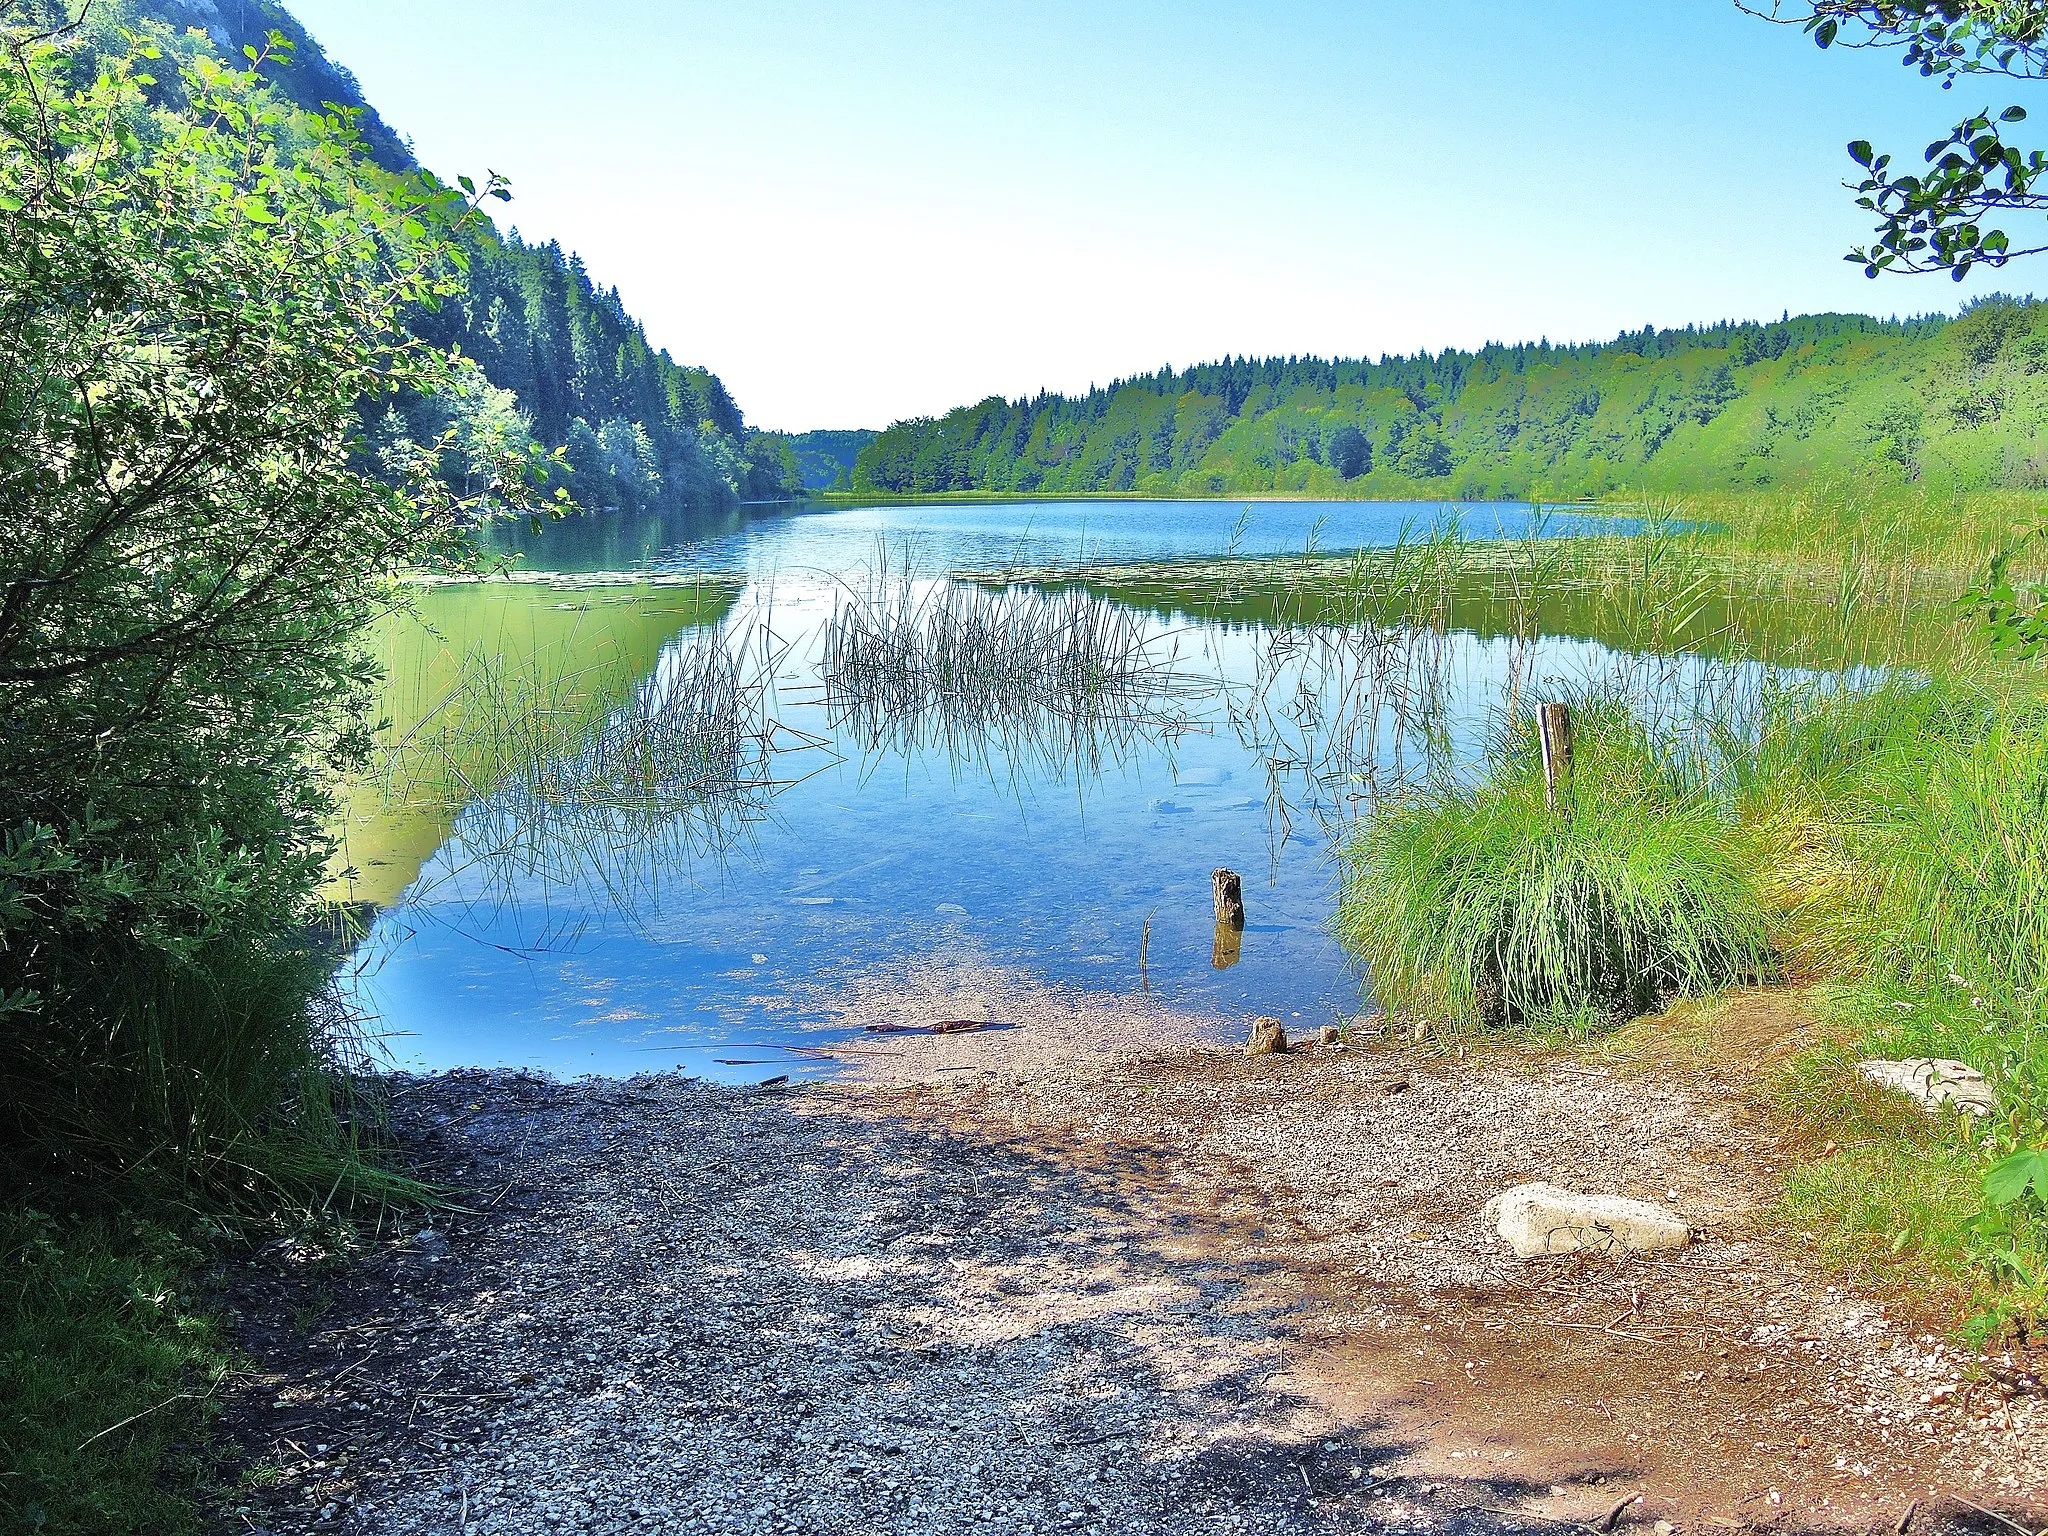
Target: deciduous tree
x,y
1948,212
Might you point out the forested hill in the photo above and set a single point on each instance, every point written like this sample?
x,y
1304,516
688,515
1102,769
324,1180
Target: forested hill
x,y
1960,401
642,432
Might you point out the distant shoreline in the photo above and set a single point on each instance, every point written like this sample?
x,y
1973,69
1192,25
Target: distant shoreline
x,y
974,498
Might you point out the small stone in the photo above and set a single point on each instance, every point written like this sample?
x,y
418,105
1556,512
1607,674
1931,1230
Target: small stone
x,y
1934,1084
1269,1038
1664,1528
427,1240
1421,1031
1538,1219
1329,1034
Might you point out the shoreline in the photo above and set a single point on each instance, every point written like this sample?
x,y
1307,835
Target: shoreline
x,y
1112,1293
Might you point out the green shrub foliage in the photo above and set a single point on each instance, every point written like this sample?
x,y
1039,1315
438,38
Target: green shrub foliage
x,y
194,303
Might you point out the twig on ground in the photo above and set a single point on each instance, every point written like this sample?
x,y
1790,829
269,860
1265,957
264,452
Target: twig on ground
x,y
1530,1514
335,1380
1642,1338
1989,1513
1608,1521
133,1417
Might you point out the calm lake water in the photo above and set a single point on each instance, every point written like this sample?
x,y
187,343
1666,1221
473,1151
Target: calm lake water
x,y
1070,854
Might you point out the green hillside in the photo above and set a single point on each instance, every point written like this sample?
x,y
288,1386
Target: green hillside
x,y
1959,402
642,432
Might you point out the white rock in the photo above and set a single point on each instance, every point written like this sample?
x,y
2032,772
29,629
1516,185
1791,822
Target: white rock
x,y
1541,1218
1932,1084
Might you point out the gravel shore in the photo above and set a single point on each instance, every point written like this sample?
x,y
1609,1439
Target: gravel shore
x,y
1166,1291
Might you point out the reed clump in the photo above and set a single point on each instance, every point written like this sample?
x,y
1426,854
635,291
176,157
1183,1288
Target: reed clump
x,y
1056,680
564,770
1486,904
1827,577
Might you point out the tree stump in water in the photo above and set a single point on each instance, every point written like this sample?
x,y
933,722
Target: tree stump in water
x,y
1224,953
1229,898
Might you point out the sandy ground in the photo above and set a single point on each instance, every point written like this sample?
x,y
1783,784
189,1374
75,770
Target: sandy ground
x,y
1082,1276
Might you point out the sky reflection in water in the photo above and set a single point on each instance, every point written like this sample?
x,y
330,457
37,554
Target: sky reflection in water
x,y
713,946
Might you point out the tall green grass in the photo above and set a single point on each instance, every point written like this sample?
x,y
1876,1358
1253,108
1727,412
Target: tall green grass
x,y
1485,905
222,1079
1829,576
1886,843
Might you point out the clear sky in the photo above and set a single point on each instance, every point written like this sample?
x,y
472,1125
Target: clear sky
x,y
855,212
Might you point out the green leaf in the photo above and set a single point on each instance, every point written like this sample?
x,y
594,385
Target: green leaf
x,y
1824,34
2013,115
1859,151
2010,1178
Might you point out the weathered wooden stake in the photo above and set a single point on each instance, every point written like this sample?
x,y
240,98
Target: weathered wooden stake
x,y
1228,947
1554,728
1229,897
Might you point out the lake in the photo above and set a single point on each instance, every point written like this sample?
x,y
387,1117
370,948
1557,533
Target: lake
x,y
675,823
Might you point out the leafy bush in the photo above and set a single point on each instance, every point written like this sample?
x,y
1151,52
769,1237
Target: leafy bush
x,y
1480,904
193,306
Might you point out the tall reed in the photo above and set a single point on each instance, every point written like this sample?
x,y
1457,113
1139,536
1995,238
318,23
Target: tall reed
x,y
1060,682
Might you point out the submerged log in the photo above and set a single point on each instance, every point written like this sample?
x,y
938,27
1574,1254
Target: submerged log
x,y
1229,897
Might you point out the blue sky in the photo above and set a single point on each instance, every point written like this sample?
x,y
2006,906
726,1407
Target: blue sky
x,y
858,212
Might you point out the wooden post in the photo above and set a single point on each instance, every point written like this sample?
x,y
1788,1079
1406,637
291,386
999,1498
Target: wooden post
x,y
1229,898
1228,947
1554,729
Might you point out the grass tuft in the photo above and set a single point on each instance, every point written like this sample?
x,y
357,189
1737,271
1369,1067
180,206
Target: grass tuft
x,y
1480,905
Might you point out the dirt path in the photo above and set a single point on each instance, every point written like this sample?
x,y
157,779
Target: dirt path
x,y
1170,1292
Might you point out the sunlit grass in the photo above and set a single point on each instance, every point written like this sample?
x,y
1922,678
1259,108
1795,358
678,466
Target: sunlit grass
x,y
1485,905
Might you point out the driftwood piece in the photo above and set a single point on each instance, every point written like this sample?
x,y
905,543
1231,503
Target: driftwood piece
x,y
942,1027
1229,897
1608,1521
1554,728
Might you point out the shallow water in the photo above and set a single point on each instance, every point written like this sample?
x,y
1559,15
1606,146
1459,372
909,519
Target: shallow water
x,y
716,938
